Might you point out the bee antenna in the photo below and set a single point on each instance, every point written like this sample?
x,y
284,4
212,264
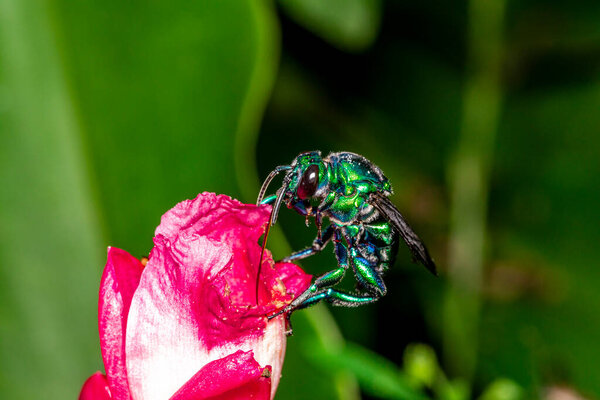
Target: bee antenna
x,y
265,185
280,195
272,219
262,252
273,215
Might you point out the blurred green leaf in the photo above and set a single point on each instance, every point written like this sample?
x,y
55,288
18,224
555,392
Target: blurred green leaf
x,y
51,243
420,364
348,24
455,390
377,376
502,389
111,113
161,89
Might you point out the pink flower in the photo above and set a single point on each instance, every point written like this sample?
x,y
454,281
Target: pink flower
x,y
186,325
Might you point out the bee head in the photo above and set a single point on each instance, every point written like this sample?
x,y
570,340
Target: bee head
x,y
306,179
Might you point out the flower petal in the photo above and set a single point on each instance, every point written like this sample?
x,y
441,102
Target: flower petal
x,y
95,388
119,281
196,301
234,377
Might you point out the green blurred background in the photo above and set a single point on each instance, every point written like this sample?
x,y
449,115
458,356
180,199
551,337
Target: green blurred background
x,y
484,114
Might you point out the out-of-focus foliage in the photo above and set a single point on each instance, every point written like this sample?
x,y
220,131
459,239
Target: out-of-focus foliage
x,y
421,365
348,24
376,375
502,389
111,112
401,105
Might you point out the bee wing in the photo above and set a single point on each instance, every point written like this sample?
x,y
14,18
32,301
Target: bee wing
x,y
391,213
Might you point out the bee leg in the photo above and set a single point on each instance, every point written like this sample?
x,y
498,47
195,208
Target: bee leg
x,y
289,331
338,298
364,269
335,297
312,296
314,293
322,289
368,276
303,208
317,246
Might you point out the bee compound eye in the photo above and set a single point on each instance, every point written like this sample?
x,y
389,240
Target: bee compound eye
x,y
308,182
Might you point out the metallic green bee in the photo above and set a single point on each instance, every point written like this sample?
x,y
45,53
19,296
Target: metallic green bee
x,y
364,225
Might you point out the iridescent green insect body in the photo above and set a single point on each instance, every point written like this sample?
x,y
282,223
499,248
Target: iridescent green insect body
x,y
351,192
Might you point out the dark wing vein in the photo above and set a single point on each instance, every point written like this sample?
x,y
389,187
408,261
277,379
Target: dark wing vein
x,y
391,213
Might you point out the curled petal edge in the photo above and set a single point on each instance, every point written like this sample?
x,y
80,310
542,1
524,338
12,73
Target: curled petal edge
x,y
95,388
120,279
236,376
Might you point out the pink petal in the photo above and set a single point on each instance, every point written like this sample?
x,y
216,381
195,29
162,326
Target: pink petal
x,y
223,219
234,377
95,388
289,282
119,281
196,301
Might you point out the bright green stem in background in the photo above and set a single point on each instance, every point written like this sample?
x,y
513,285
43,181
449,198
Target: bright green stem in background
x,y
468,174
